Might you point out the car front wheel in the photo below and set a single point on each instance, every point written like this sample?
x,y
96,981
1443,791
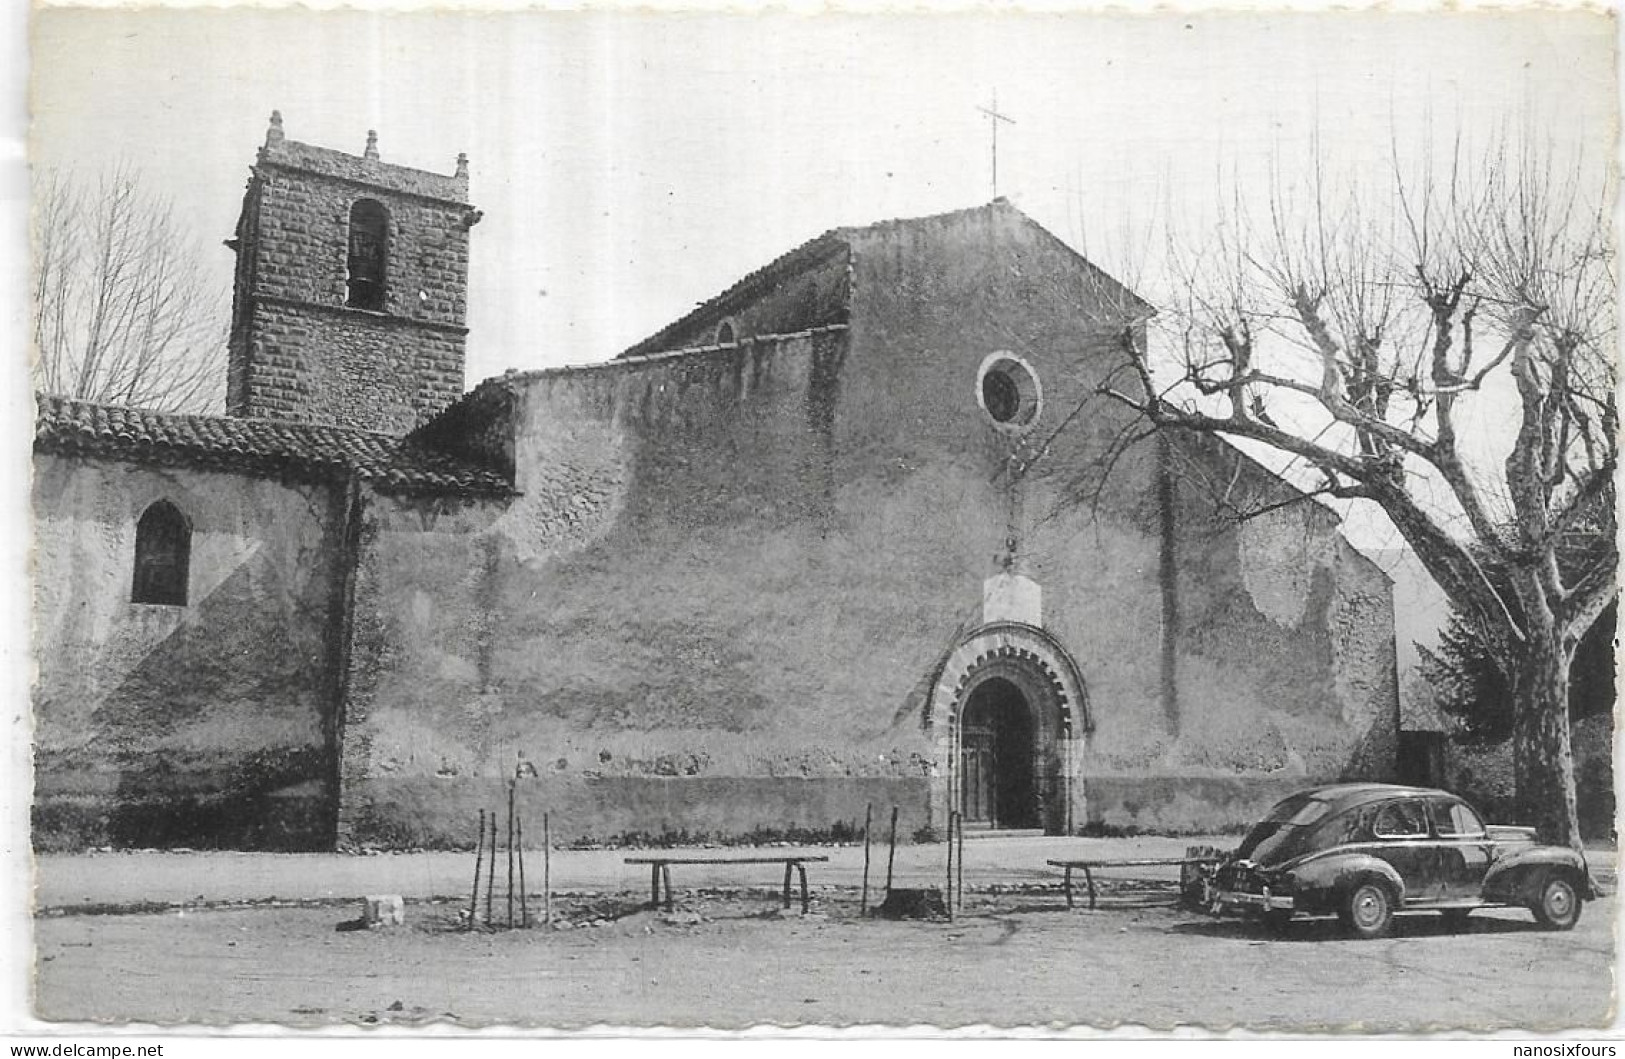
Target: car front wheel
x,y
1368,912
1558,907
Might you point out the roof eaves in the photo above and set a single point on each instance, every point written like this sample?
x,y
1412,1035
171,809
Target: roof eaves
x,y
264,447
632,360
812,252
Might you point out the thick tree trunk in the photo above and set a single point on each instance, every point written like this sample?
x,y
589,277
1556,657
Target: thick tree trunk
x,y
1542,755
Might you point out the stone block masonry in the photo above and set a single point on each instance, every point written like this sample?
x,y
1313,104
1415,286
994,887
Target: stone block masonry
x,y
314,364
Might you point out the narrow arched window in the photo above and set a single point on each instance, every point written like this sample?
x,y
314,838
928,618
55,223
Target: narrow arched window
x,y
369,253
163,556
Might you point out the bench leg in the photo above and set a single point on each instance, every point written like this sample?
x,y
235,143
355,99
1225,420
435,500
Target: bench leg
x,y
665,874
654,887
1090,879
801,869
1068,884
787,884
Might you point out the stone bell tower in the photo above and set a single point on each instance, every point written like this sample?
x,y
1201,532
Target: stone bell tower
x,y
350,298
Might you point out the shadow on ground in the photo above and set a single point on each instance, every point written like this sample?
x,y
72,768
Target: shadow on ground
x,y
1418,925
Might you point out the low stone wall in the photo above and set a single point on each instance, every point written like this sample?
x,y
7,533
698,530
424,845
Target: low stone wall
x,y
1184,804
273,801
435,813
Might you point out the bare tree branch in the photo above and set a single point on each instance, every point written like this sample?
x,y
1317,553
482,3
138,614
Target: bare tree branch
x,y
124,312
1372,338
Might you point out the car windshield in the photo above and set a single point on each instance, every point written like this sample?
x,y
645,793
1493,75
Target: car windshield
x,y
1281,835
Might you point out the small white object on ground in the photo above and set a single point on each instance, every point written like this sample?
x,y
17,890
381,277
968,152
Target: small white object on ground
x,y
383,910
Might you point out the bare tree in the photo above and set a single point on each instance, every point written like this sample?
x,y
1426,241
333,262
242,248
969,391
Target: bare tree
x,y
1361,333
124,311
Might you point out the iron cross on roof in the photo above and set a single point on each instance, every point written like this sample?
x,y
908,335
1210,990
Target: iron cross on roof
x,y
993,119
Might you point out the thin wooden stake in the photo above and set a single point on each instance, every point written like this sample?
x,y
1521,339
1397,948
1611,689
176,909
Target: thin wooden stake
x,y
547,871
891,858
479,856
510,854
959,884
524,903
868,819
491,868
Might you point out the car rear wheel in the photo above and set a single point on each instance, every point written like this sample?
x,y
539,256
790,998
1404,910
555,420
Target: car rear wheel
x,y
1558,906
1368,911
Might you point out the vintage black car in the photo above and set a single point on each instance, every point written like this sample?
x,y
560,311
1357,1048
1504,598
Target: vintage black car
x,y
1364,851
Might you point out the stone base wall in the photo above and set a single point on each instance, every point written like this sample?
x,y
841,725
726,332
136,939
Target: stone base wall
x,y
196,810
429,813
1183,804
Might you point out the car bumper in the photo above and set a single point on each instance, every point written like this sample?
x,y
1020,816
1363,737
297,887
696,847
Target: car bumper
x,y
1233,902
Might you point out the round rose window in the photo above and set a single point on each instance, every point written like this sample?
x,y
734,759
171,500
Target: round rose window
x,y
1008,391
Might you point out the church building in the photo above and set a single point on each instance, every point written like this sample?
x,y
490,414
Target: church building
x,y
861,530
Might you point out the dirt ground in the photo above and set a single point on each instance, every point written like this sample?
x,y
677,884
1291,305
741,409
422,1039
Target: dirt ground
x,y
731,959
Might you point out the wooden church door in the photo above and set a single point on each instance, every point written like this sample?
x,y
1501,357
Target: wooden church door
x,y
976,769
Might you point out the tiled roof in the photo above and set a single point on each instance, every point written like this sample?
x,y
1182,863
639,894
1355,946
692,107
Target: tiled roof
x,y
258,446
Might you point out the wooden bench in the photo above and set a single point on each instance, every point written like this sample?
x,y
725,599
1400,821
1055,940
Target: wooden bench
x,y
1087,866
660,870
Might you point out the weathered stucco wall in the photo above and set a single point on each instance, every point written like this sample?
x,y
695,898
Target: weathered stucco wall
x,y
718,605
932,300
1285,651
1279,667
200,725
654,637
1255,651
1257,656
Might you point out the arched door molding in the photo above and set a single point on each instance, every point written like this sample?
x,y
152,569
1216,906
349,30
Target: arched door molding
x,y
1052,686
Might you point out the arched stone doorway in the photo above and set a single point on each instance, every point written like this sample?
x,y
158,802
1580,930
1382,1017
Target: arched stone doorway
x,y
1009,711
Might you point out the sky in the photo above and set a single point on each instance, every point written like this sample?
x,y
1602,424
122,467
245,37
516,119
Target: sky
x,y
630,165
